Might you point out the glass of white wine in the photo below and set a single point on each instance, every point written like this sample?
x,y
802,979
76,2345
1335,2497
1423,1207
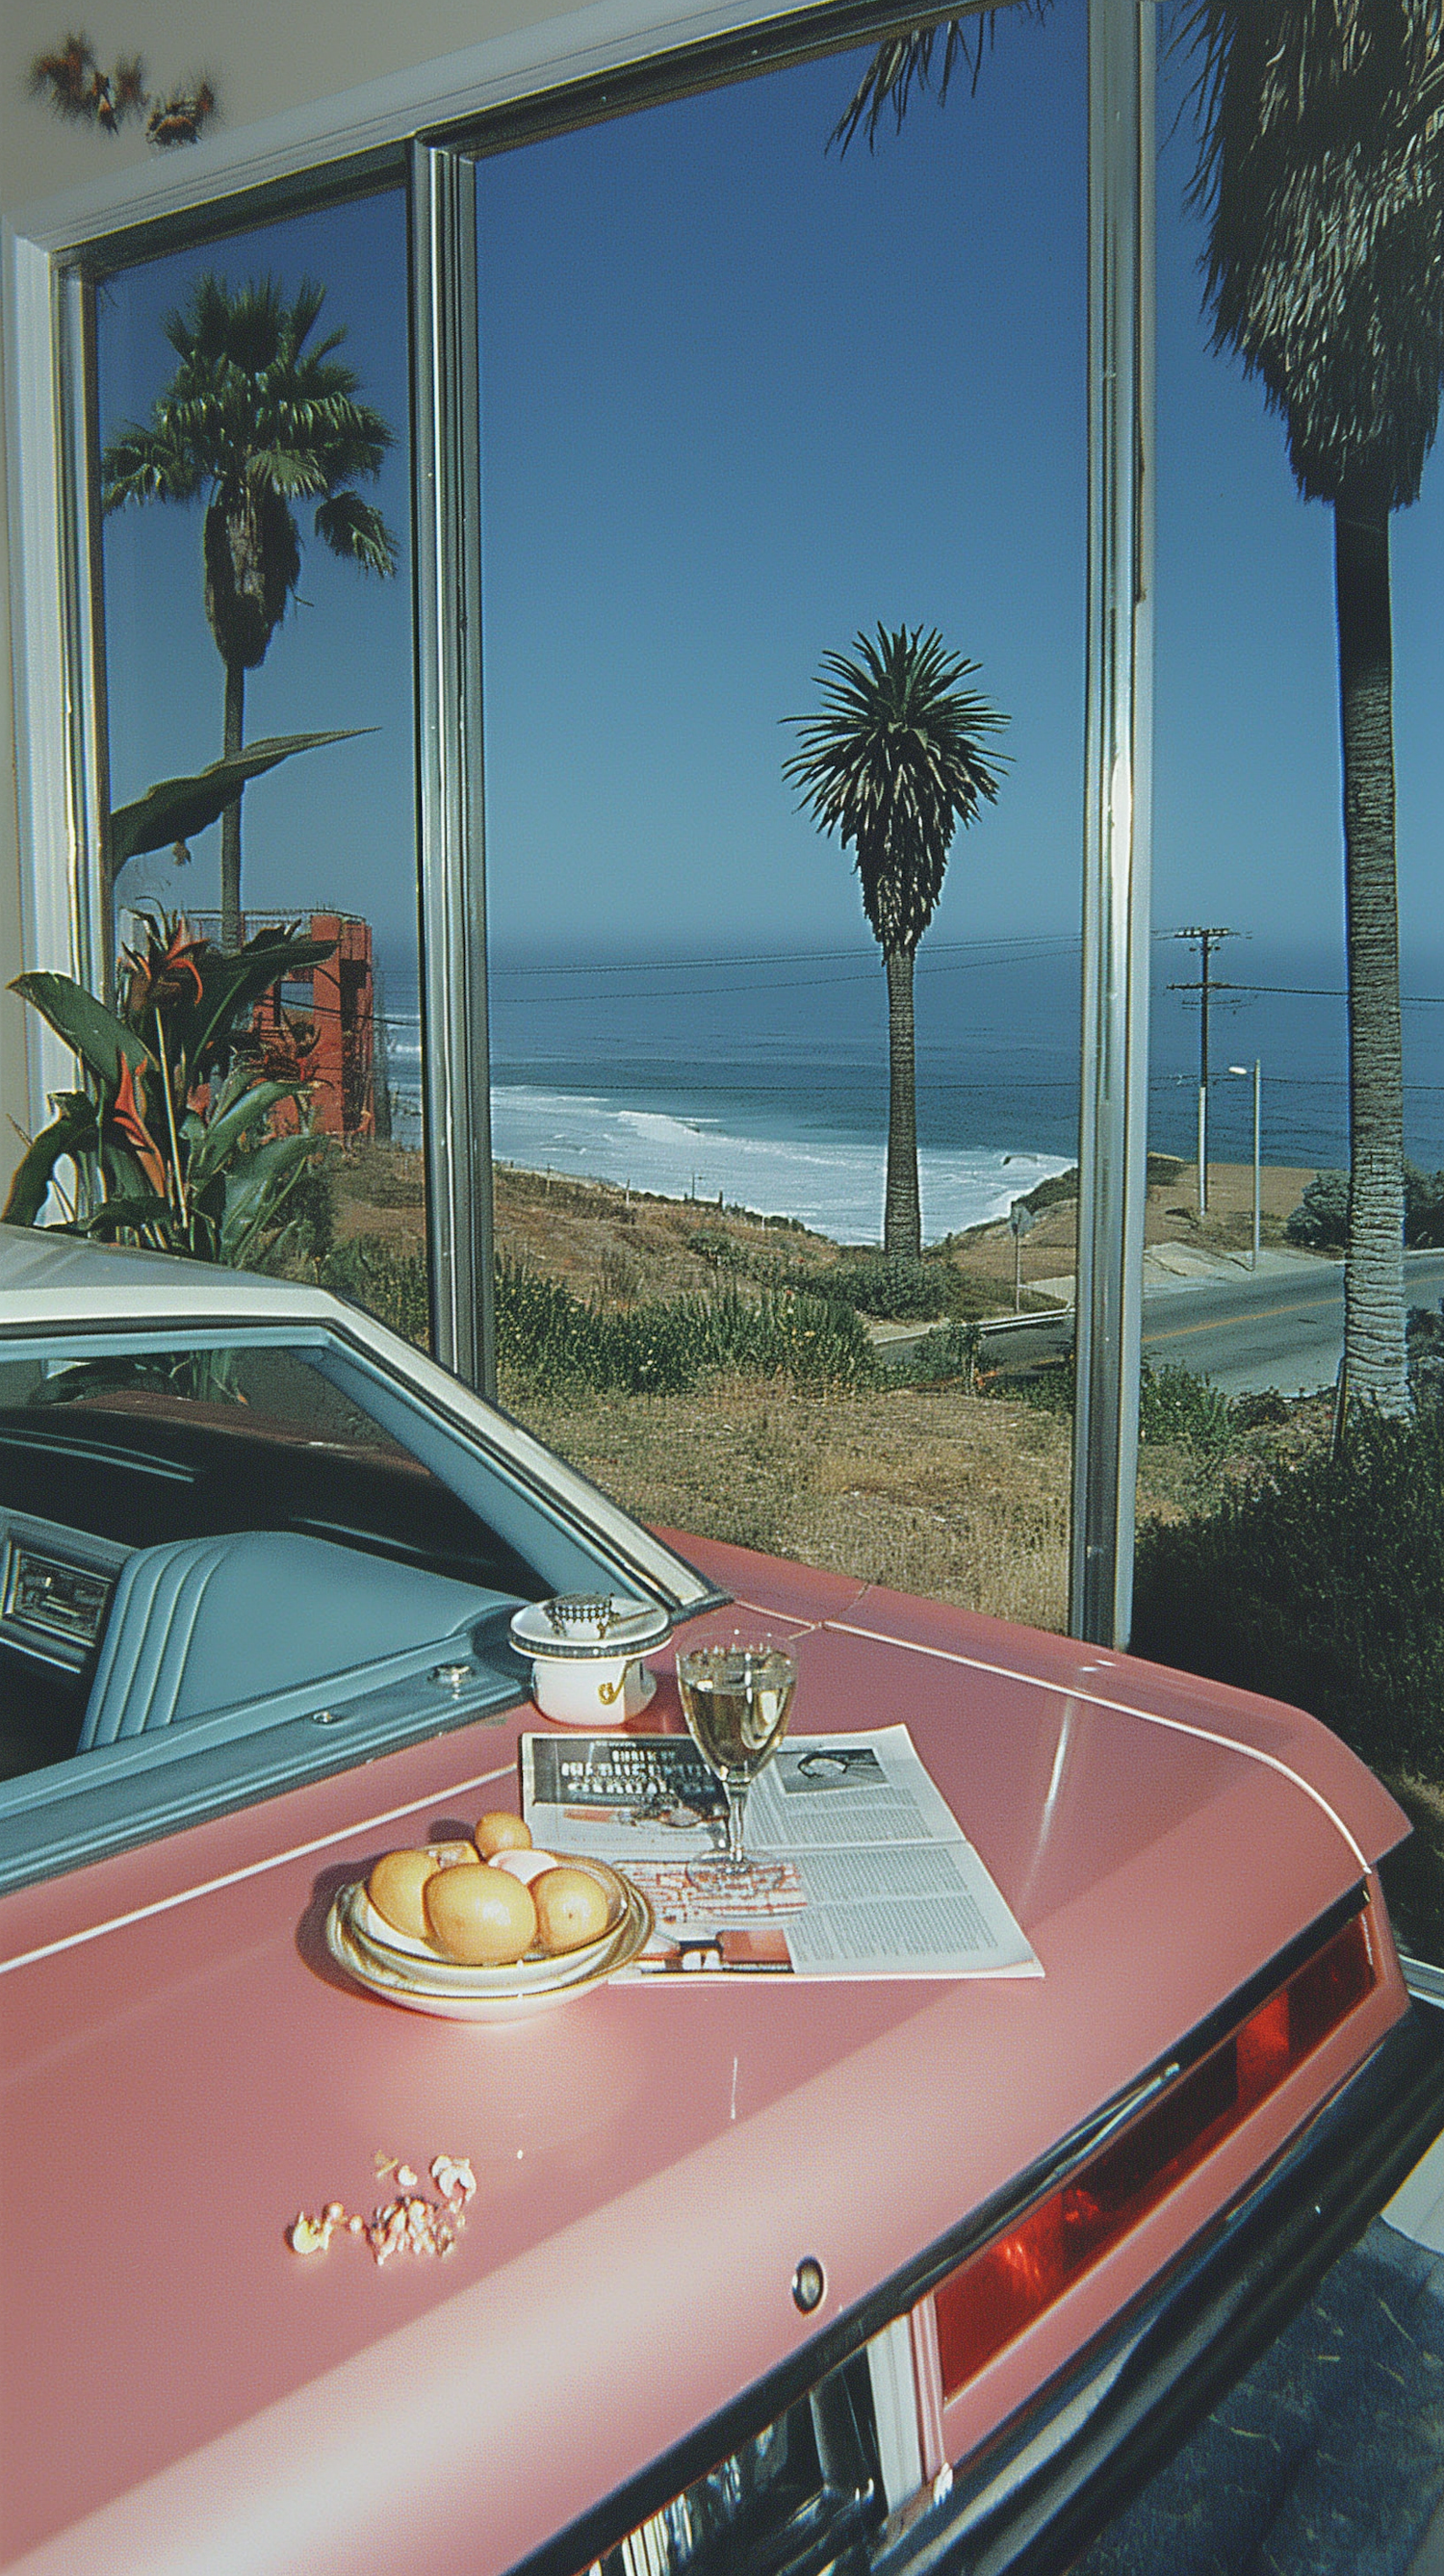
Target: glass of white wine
x,y
737,1699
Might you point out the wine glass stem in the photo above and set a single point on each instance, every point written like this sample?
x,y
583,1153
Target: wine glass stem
x,y
736,1816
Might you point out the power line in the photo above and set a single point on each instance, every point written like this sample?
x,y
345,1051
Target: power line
x,y
1020,943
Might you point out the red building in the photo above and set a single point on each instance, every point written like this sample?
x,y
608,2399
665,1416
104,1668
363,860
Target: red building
x,y
337,1000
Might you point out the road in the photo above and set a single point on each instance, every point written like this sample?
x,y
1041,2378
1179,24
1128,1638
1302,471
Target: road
x,y
1282,1329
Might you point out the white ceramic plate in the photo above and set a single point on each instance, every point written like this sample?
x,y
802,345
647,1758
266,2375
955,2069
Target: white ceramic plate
x,y
431,1985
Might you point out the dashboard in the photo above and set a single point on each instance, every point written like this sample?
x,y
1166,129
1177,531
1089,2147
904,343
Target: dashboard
x,y
55,1589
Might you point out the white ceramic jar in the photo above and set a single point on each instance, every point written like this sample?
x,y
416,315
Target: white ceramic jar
x,y
586,1654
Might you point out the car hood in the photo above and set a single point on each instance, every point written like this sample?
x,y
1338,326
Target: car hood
x,y
185,2071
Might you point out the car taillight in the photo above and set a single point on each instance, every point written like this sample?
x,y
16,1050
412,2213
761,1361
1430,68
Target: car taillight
x,y
999,2290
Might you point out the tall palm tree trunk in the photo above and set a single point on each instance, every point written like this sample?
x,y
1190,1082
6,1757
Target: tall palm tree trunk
x,y
1374,1260
231,819
902,1217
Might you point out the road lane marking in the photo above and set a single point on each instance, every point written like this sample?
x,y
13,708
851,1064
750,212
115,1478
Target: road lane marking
x,y
1220,1323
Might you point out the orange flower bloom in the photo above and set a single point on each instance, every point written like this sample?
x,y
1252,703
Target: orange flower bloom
x,y
127,1114
165,972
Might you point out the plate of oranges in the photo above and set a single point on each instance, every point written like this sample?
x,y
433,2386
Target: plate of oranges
x,y
489,1929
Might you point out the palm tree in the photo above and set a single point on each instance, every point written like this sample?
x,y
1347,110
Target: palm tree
x,y
893,765
255,420
1320,171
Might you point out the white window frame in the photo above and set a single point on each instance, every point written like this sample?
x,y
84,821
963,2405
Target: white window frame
x,y
59,717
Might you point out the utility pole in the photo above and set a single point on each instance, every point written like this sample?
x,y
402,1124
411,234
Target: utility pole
x,y
1205,940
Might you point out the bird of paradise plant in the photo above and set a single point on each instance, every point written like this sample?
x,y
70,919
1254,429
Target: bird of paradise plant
x,y
173,1142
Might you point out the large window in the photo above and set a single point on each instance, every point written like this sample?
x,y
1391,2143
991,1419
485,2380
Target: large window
x,y
253,406
1302,1559
747,398
697,399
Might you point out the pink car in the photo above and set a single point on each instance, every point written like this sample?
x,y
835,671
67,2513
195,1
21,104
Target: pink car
x,y
744,2272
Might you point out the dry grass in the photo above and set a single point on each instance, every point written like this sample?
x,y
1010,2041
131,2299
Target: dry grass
x,y
963,1498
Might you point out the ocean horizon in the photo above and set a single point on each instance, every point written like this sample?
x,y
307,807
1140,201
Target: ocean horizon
x,y
764,1079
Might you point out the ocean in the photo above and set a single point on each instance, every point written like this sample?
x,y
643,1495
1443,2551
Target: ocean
x,y
763,1079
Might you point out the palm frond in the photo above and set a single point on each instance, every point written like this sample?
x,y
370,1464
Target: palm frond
x,y
149,465
895,761
356,531
905,62
288,470
1320,175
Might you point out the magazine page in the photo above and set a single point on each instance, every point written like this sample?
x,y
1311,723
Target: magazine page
x,y
860,1868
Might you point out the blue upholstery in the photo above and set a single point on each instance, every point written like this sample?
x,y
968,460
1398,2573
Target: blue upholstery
x,y
201,1623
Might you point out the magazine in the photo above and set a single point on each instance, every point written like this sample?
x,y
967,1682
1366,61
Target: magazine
x,y
859,1867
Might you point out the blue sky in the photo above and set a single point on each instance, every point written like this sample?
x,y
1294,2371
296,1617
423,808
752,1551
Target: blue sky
x,y
742,396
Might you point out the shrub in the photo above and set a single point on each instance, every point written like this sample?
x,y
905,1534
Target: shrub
x,y
1324,1588
310,1234
1175,1406
392,1286
548,1340
892,1284
1057,1191
723,1251
1424,1341
953,1352
1423,1208
1264,1409
1320,1222
1049,1389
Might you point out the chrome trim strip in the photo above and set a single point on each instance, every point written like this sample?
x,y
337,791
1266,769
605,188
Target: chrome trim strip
x,y
1424,1980
1112,1146
456,1080
91,931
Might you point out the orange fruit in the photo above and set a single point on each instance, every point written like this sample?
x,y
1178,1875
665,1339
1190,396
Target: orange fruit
x,y
501,1832
571,1907
395,1887
482,1916
451,1855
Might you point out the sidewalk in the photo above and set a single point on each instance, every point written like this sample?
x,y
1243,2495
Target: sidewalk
x,y
1187,1265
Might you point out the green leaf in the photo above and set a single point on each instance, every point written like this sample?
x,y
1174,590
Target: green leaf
x,y
102,1042
220,1139
230,987
176,808
256,1187
131,1215
73,1133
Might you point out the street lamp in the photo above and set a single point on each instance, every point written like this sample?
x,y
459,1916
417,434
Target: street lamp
x,y
1243,1069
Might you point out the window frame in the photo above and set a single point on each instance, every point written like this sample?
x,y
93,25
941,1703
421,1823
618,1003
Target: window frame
x,y
426,123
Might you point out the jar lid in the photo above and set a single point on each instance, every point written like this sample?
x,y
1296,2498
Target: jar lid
x,y
585,1627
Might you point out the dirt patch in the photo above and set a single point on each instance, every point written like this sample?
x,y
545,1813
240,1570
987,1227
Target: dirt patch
x,y
624,1246
1170,1216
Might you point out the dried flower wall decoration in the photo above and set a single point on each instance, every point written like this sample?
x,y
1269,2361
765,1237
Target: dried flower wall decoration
x,y
80,90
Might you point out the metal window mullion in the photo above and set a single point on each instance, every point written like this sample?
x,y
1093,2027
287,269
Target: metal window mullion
x,y
1112,1157
91,926
447,517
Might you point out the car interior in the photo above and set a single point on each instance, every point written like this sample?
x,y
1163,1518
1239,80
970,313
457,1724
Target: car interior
x,y
227,1566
